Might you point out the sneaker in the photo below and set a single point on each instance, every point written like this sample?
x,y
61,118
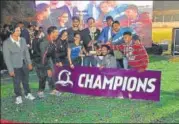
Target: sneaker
x,y
41,94
55,92
18,100
29,96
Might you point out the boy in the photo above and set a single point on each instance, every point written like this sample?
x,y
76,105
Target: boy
x,y
133,51
108,60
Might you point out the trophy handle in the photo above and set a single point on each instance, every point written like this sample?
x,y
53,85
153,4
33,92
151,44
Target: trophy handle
x,y
92,39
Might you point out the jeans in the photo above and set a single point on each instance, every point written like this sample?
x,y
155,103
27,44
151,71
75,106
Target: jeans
x,y
64,61
77,61
120,63
89,60
21,75
43,77
125,63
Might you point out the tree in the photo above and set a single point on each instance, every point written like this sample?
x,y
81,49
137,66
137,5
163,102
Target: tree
x,y
18,10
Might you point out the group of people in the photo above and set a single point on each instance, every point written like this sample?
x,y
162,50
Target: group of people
x,y
129,15
113,47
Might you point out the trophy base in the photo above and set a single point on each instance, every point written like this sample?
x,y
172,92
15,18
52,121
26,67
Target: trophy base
x,y
92,52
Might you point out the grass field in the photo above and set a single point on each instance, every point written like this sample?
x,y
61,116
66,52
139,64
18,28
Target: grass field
x,y
73,108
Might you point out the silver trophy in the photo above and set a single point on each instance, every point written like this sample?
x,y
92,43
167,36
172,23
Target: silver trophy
x,y
92,34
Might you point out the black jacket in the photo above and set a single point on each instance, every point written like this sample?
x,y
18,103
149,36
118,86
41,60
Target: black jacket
x,y
47,51
25,34
86,38
71,33
61,50
36,52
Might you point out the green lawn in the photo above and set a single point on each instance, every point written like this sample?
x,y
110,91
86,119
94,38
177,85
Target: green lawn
x,y
73,108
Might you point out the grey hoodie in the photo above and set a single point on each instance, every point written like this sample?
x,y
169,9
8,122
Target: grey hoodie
x,y
108,61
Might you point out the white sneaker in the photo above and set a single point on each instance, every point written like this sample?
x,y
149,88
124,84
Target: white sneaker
x,y
55,92
41,94
18,100
29,96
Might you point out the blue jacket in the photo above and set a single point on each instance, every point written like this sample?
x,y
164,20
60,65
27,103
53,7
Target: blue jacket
x,y
103,38
118,37
118,11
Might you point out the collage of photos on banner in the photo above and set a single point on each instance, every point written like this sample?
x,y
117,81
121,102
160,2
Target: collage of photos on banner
x,y
88,32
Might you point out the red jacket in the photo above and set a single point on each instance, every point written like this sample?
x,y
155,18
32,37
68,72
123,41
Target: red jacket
x,y
143,19
135,53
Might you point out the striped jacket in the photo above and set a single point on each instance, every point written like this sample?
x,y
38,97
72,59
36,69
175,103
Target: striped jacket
x,y
135,53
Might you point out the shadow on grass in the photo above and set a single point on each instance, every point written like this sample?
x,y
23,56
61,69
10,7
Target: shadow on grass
x,y
175,93
170,118
156,58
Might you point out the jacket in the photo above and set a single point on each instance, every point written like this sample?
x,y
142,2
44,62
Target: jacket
x,y
86,38
108,61
135,53
103,37
61,50
47,53
14,55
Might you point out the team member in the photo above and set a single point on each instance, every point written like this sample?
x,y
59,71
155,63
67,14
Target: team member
x,y
134,51
117,38
76,49
108,60
62,51
17,59
106,33
89,37
74,29
37,62
46,49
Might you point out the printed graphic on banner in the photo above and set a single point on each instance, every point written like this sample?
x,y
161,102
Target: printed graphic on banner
x,y
109,82
136,15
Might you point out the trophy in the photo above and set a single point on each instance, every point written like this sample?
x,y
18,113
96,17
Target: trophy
x,y
92,34
81,13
